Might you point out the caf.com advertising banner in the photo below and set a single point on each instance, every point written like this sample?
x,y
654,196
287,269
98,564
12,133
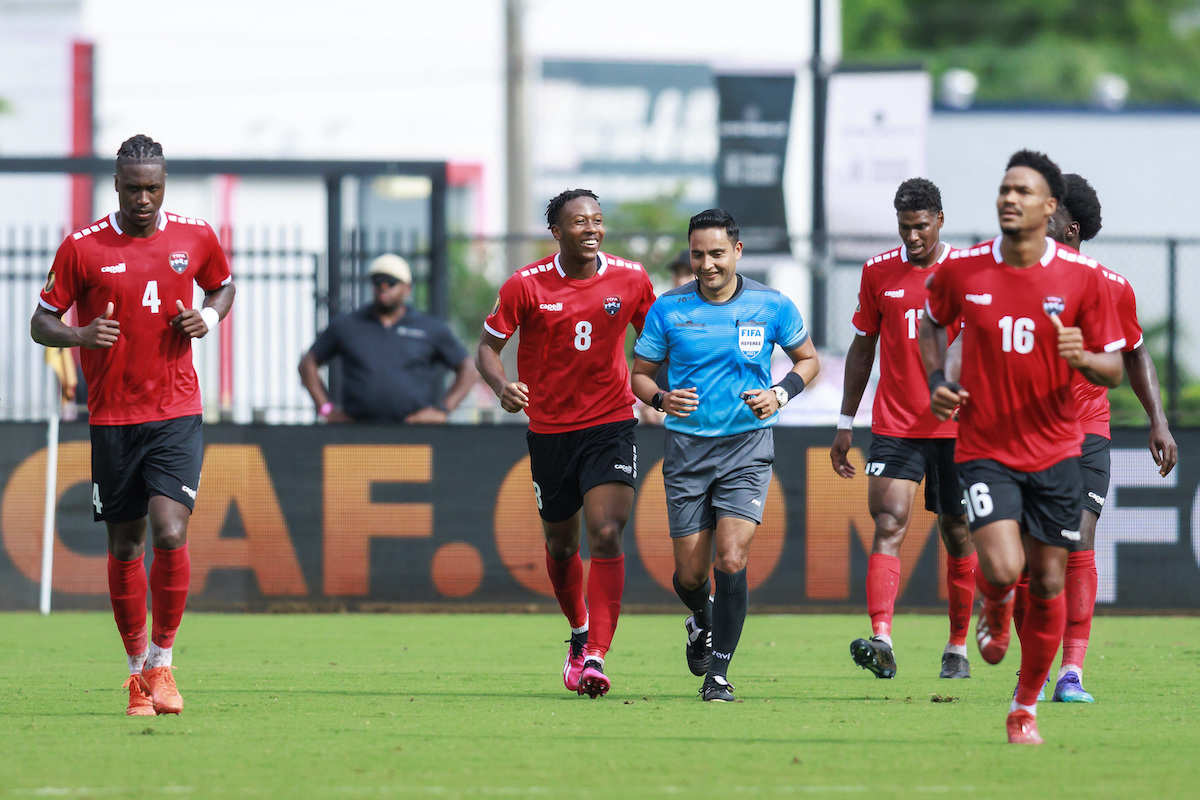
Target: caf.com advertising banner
x,y
370,517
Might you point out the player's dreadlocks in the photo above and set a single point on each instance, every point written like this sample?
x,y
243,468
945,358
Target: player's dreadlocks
x,y
1082,204
555,205
1042,163
140,149
918,194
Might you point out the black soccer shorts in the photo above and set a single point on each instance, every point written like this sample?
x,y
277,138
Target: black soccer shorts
x,y
1096,464
566,465
131,463
917,459
1046,503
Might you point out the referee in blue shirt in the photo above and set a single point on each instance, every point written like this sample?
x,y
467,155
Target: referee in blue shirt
x,y
717,334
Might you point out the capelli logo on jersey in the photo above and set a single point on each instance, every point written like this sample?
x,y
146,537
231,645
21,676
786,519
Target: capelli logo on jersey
x,y
980,299
178,261
114,268
550,307
897,294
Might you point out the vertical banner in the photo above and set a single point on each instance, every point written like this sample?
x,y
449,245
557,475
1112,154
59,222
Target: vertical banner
x,y
876,138
755,115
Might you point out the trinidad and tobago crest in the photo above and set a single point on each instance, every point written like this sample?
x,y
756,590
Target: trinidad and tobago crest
x,y
1053,304
179,261
612,305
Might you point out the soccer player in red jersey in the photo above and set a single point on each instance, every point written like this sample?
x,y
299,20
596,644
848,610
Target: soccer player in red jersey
x,y
131,276
573,309
1076,221
908,444
1032,311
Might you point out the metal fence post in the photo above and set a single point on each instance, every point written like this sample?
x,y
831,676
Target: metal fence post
x,y
1173,389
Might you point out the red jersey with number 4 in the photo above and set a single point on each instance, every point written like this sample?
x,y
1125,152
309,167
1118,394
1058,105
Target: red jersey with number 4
x,y
1091,401
571,352
891,301
1021,411
147,375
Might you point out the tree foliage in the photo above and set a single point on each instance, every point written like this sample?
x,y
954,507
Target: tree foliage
x,y
1047,51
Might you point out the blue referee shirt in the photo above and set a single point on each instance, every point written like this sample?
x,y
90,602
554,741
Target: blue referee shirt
x,y
723,349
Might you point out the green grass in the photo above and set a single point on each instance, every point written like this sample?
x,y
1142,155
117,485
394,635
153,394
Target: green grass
x,y
473,706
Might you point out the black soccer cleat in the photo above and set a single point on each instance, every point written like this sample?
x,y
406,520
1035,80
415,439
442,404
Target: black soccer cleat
x,y
699,647
874,655
717,690
954,666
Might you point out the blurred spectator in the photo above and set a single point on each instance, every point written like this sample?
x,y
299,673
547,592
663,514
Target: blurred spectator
x,y
390,352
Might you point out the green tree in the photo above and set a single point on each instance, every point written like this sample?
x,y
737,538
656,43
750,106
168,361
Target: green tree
x,y
1036,50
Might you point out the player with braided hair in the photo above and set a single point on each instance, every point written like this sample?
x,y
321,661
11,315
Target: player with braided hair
x,y
132,276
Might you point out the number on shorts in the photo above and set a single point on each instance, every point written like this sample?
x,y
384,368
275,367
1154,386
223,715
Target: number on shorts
x,y
583,335
96,498
979,501
875,467
150,297
537,493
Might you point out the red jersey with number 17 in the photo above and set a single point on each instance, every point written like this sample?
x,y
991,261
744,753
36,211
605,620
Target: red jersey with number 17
x,y
1021,411
571,352
1091,400
148,374
891,300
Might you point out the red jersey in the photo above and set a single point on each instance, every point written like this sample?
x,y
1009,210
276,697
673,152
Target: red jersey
x,y
891,301
571,352
1021,411
1091,401
148,374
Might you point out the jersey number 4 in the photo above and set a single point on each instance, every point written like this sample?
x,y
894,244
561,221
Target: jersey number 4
x,y
150,297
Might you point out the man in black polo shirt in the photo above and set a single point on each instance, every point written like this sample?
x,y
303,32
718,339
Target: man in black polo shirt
x,y
389,353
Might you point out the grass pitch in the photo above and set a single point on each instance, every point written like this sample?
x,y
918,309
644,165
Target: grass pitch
x,y
473,706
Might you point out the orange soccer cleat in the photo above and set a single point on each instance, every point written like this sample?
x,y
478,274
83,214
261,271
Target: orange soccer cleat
x,y
993,628
163,691
1022,728
140,704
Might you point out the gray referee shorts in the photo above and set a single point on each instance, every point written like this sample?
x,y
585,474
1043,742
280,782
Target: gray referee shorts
x,y
719,476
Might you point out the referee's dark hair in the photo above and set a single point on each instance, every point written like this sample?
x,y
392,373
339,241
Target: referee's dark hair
x,y
918,194
140,149
554,207
1042,163
1082,205
715,218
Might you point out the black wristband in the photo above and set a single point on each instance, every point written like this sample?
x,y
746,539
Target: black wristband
x,y
936,379
656,402
792,383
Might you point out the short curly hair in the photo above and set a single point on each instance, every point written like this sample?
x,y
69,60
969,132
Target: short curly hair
x,y
1042,163
1082,205
555,205
918,194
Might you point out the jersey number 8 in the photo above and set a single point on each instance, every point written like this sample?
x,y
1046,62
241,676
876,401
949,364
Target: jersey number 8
x,y
583,335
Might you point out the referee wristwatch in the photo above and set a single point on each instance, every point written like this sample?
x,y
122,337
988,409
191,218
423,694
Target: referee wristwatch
x,y
656,402
781,395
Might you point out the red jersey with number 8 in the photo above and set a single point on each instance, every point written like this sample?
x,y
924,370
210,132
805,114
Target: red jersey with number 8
x,y
1021,411
148,374
571,352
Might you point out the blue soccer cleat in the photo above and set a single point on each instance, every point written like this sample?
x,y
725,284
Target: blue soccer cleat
x,y
1070,690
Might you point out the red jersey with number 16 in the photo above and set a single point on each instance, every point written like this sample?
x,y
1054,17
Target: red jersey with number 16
x,y
1091,401
1021,411
147,375
571,352
891,300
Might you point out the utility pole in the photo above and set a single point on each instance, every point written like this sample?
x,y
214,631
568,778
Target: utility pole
x,y
820,228
516,133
